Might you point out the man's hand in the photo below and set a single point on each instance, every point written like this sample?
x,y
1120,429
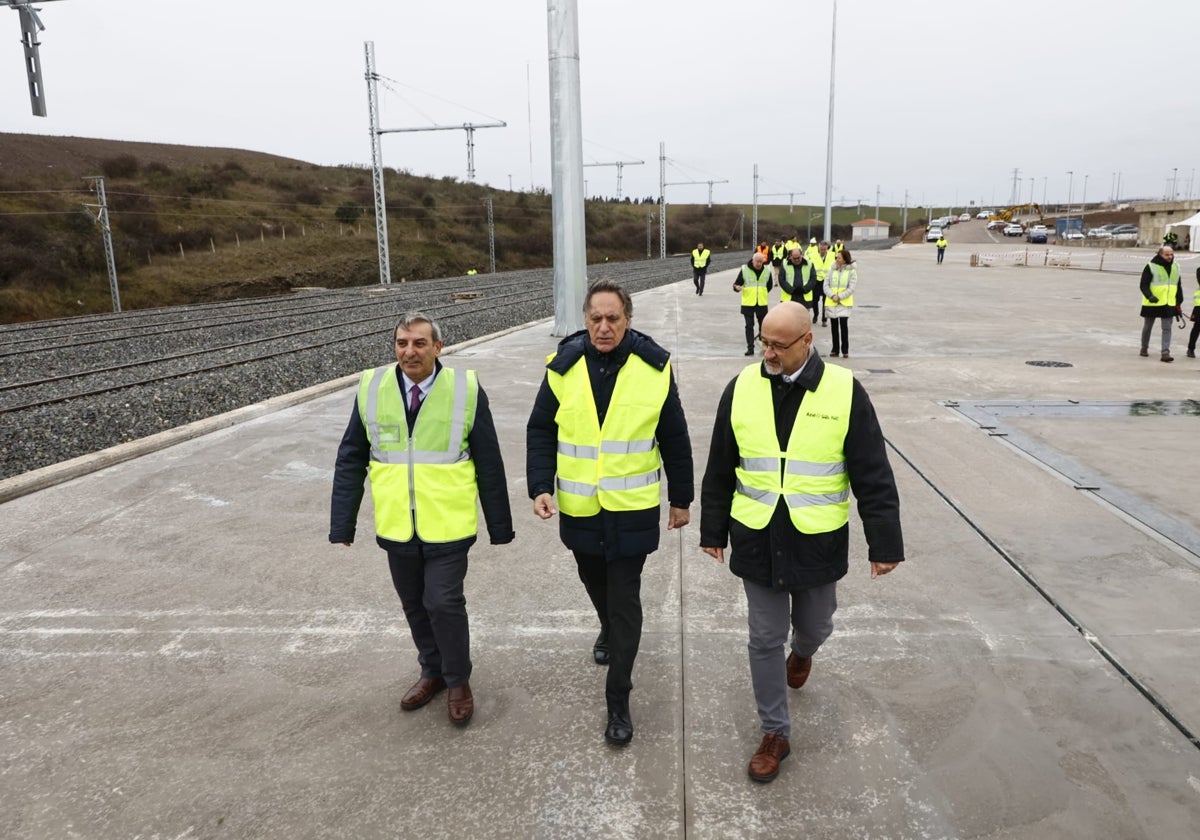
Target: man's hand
x,y
677,518
879,569
716,552
543,506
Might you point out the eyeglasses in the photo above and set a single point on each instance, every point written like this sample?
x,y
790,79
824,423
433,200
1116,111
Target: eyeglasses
x,y
775,345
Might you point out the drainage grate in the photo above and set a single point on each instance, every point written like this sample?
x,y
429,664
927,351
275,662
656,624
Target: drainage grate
x,y
880,370
1041,363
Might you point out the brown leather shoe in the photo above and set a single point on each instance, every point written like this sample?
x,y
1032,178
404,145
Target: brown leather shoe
x,y
764,767
460,704
1167,357
421,693
797,670
1143,352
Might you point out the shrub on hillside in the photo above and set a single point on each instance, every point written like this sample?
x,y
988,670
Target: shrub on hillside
x,y
348,213
119,166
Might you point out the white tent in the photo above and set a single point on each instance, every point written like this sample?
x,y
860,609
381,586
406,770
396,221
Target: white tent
x,y
1193,226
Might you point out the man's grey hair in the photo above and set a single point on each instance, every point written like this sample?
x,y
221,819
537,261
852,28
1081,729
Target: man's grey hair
x,y
409,318
613,286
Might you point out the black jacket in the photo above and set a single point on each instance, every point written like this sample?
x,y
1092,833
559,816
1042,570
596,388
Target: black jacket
x,y
1162,309
779,555
609,533
350,471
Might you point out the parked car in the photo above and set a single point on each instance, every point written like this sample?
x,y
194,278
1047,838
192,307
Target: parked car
x,y
964,217
1102,232
1037,233
1073,233
983,214
933,234
1125,233
1013,229
996,224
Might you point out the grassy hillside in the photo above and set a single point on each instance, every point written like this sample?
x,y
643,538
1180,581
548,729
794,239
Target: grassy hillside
x,y
196,224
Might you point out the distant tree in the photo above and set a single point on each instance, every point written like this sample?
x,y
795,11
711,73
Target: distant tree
x,y
348,213
119,166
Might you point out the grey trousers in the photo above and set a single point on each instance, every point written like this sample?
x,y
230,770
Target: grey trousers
x,y
1148,325
809,614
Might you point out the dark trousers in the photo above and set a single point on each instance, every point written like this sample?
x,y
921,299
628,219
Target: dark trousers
x,y
840,327
1195,329
615,589
431,592
698,278
750,313
941,253
811,305
819,303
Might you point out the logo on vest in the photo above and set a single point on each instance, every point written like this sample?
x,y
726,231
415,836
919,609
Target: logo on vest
x,y
816,415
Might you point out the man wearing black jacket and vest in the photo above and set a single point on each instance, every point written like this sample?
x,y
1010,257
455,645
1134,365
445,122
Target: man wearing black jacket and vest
x,y
782,502
753,283
425,434
606,421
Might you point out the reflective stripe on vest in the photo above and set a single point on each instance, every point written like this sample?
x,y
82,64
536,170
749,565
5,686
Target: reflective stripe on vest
x,y
617,466
1163,285
754,287
700,258
422,483
839,282
789,269
810,475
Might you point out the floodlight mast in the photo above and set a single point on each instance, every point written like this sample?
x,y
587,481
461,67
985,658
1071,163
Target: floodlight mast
x,y
31,25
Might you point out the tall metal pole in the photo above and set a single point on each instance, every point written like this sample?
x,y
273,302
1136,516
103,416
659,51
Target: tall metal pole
x,y
741,229
1045,179
566,153
381,234
904,223
1070,192
1083,205
662,200
829,148
491,236
649,224
106,231
754,214
1174,181
877,203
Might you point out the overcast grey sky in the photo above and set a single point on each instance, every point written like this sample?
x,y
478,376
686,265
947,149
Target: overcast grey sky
x,y
942,99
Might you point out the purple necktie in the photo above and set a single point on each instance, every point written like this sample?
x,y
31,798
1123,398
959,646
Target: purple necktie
x,y
415,404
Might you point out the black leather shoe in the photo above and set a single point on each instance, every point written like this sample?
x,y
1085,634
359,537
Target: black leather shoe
x,y
750,352
600,648
619,731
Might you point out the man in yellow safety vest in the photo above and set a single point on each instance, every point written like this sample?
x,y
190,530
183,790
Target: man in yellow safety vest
x,y
754,283
1162,298
424,435
790,438
605,424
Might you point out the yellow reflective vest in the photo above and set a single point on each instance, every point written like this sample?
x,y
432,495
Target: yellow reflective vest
x,y
822,264
754,287
700,258
778,252
1163,285
423,481
839,282
615,466
789,270
810,475
791,245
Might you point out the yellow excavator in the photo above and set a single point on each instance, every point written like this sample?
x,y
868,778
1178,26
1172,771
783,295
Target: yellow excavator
x,y
1007,213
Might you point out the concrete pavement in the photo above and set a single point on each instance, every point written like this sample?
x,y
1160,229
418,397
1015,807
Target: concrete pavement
x,y
184,655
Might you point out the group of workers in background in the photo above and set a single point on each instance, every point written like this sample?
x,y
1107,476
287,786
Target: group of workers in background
x,y
822,277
